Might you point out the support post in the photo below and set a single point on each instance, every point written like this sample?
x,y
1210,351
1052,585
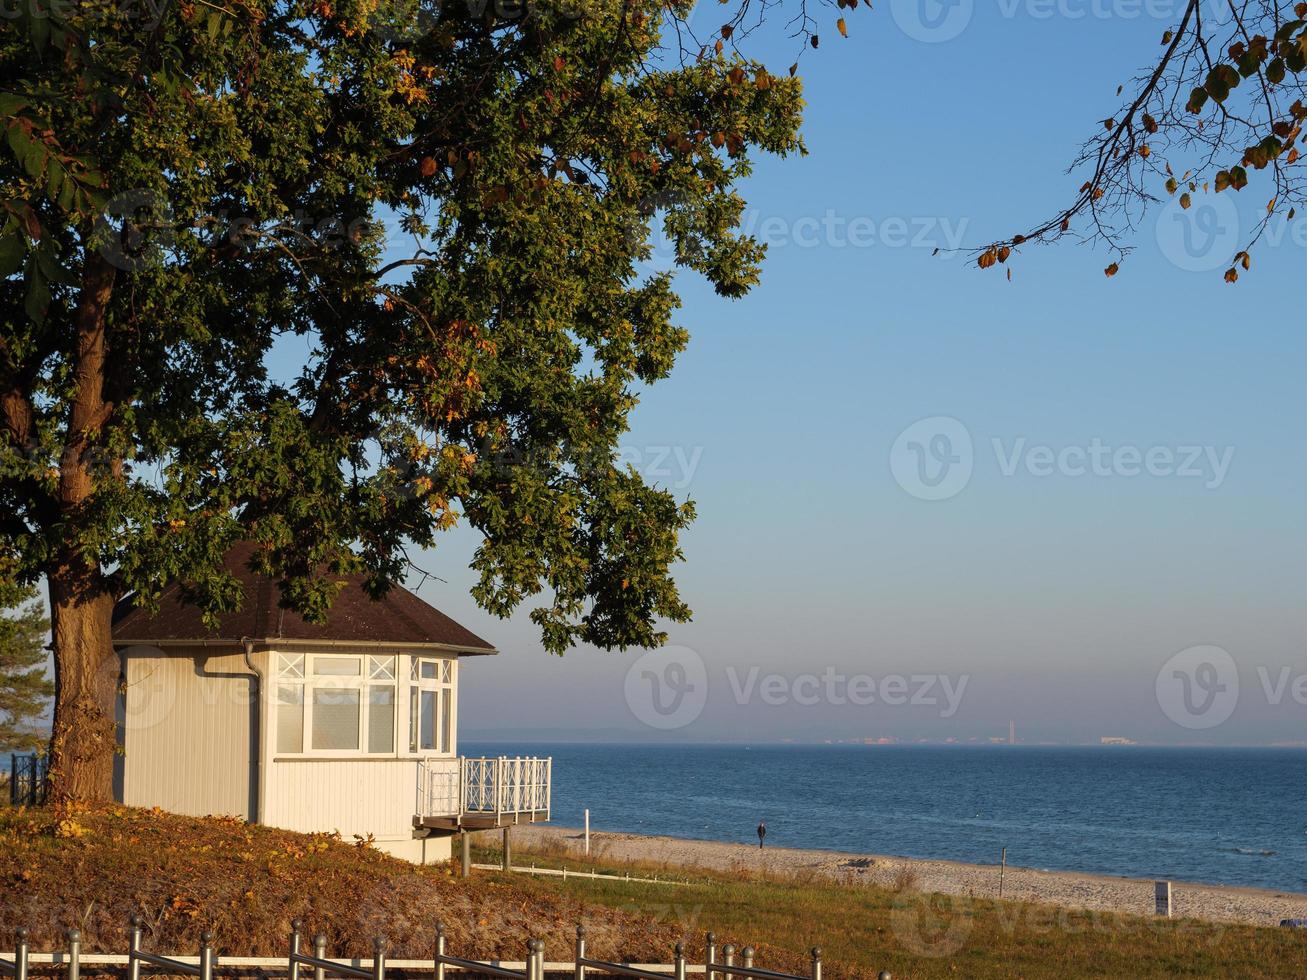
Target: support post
x,y
710,957
379,958
320,951
746,957
134,947
728,958
1002,869
816,963
293,967
587,831
679,963
20,956
508,849
465,844
206,956
74,954
579,973
440,951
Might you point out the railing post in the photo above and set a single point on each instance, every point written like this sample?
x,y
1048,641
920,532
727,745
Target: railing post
x,y
728,959
579,973
319,951
440,951
206,956
134,947
20,956
379,958
816,963
535,959
292,964
746,957
710,957
74,954
680,961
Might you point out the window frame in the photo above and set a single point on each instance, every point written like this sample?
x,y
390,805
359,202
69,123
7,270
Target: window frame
x,y
444,684
296,668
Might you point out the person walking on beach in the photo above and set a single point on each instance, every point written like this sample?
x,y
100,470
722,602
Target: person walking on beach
x,y
762,832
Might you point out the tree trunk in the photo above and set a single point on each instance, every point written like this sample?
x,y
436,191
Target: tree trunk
x,y
86,684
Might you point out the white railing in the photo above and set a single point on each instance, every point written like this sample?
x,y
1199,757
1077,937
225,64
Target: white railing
x,y
501,787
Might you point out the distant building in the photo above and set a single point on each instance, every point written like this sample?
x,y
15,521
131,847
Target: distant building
x,y
1116,740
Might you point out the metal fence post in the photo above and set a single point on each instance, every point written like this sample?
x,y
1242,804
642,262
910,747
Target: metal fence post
x,y
440,951
580,953
710,957
379,958
206,956
74,954
319,951
816,963
746,956
134,947
292,964
20,956
728,958
680,961
535,959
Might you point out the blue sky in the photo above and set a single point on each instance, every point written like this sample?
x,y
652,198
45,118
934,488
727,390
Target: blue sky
x,y
1051,601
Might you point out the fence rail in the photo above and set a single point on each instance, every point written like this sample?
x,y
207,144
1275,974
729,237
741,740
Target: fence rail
x,y
503,787
207,964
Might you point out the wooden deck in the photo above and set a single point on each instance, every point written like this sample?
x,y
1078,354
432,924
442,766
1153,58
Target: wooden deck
x,y
480,820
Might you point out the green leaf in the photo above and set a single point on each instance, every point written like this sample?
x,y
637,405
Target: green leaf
x,y
12,249
37,302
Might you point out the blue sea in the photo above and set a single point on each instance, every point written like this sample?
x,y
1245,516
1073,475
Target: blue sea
x,y
1228,816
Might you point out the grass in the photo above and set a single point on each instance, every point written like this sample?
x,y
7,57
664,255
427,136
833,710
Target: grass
x,y
95,868
864,930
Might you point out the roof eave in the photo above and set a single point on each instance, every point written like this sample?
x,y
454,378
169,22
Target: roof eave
x,y
290,641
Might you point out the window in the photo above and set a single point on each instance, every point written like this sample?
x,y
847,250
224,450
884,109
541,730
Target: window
x,y
332,703
431,706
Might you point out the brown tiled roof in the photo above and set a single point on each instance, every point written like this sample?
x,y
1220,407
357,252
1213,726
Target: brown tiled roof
x,y
398,617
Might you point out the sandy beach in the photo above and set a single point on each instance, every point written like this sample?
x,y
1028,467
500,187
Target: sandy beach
x,y
1217,903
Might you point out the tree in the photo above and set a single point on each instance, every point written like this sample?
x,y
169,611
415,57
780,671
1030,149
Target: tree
x,y
1227,95
188,186
24,689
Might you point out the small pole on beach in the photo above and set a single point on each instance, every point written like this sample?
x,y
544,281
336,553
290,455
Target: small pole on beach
x,y
1002,869
587,832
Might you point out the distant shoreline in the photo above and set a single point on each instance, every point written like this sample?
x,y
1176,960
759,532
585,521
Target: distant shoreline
x,y
1070,889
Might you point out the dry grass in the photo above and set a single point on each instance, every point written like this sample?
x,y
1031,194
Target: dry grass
x,y
864,929
94,869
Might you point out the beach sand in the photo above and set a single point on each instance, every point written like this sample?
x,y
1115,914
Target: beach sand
x,y
1217,903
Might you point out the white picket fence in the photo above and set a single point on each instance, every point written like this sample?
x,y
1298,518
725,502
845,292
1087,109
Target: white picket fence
x,y
717,965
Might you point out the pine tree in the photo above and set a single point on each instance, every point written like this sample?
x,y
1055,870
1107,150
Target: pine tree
x,y
24,689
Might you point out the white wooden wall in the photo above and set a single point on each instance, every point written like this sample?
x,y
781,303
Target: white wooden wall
x,y
187,732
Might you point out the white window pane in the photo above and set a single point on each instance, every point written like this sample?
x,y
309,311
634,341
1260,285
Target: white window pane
x,y
446,711
429,670
290,666
381,668
381,719
414,714
290,718
335,718
336,666
444,671
427,732
413,663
